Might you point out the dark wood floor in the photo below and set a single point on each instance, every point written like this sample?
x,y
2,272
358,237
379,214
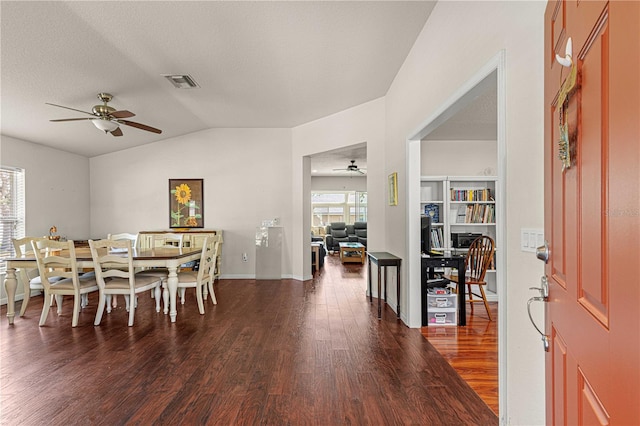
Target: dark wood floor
x,y
271,352
472,351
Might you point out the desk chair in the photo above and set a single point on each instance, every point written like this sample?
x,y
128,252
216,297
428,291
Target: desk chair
x,y
476,264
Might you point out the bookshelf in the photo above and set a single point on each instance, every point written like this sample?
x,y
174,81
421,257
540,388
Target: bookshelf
x,y
462,205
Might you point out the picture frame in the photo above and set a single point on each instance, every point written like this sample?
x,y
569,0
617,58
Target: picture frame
x,y
393,189
186,203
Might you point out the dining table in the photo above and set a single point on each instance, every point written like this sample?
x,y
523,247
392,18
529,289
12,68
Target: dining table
x,y
159,257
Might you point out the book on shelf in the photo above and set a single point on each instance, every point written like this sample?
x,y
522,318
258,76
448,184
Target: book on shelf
x,y
476,213
471,194
437,238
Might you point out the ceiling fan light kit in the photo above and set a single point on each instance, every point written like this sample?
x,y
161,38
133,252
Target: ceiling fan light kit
x,y
107,118
104,124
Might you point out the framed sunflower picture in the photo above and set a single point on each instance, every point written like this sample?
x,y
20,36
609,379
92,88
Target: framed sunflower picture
x,y
186,203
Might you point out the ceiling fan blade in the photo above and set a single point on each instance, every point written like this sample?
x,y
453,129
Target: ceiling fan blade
x,y
117,132
72,109
140,126
122,114
72,119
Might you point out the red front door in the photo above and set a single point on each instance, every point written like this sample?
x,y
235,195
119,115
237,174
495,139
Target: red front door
x,y
592,214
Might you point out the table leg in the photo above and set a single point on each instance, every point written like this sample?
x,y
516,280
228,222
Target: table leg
x,y
317,259
385,283
398,289
369,281
10,285
462,305
172,283
379,293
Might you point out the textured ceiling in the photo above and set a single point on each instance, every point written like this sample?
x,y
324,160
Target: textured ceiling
x,y
259,64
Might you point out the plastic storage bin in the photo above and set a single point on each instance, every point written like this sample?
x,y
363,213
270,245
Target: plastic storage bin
x,y
442,309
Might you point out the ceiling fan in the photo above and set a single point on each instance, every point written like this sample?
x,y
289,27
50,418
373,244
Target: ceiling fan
x,y
106,118
352,168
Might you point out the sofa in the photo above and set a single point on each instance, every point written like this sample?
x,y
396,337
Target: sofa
x,y
340,232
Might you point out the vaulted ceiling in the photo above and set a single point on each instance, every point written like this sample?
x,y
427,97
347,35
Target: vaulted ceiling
x,y
257,64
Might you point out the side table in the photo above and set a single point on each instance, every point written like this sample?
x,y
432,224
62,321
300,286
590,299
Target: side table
x,y
384,259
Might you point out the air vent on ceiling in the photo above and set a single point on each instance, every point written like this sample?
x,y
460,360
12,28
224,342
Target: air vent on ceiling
x,y
181,81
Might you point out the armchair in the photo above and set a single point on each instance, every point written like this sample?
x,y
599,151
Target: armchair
x,y
336,234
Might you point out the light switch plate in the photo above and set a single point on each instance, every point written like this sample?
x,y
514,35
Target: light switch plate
x,y
530,239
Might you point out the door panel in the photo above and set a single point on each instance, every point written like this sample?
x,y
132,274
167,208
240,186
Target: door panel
x,y
591,410
559,351
592,145
592,215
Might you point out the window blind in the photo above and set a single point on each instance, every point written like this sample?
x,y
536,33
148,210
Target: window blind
x,y
12,211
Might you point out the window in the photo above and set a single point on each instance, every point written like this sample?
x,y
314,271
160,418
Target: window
x,y
11,211
338,206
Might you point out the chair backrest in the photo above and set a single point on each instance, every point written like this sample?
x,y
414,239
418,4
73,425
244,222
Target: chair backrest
x,y
55,259
125,236
22,247
112,259
167,240
479,257
208,257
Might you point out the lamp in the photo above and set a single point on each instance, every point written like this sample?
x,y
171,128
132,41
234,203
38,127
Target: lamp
x,y
104,124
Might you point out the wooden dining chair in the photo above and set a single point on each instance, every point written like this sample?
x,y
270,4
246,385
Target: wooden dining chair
x,y
134,243
125,236
476,263
113,263
200,278
213,273
30,277
57,259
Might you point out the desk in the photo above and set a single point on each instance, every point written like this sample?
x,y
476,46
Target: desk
x,y
384,259
428,263
170,258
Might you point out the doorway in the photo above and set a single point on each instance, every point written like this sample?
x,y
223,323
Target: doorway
x,y
492,74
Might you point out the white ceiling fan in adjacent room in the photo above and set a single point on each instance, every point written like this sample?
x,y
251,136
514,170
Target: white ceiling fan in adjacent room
x,y
352,168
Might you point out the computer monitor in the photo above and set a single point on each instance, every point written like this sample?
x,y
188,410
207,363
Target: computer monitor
x,y
425,234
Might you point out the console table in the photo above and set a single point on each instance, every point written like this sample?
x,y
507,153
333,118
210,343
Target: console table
x,y
383,260
428,264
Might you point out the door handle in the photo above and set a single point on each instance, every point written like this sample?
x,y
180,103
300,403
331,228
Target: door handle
x,y
543,253
544,297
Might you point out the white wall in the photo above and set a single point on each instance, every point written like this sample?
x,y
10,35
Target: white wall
x,y
363,123
57,190
458,158
338,183
247,179
457,41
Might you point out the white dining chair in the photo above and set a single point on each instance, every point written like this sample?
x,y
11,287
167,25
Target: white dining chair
x,y
197,279
115,274
208,289
30,277
134,243
57,259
